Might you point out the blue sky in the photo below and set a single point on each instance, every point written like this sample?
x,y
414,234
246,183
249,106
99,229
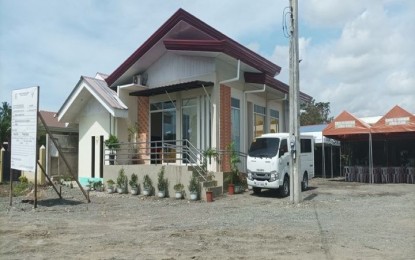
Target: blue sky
x,y
357,55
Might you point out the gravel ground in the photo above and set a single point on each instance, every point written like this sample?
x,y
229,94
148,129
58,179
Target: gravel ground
x,y
336,220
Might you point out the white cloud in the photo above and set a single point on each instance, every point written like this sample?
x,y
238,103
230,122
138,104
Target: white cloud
x,y
330,13
366,70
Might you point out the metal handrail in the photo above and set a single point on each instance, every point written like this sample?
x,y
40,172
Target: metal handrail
x,y
172,151
182,151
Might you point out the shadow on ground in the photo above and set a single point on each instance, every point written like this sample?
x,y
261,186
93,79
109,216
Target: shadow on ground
x,y
267,193
54,202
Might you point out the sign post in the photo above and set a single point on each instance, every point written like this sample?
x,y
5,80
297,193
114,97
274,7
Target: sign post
x,y
25,106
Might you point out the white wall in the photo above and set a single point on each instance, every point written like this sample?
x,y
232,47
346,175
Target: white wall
x,y
124,123
94,120
173,68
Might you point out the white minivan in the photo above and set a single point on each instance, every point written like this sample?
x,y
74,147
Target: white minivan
x,y
268,162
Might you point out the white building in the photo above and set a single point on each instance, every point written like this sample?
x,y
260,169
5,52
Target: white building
x,y
188,81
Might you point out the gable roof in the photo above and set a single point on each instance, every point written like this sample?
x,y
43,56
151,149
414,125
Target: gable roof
x,y
344,125
86,88
53,124
208,39
397,120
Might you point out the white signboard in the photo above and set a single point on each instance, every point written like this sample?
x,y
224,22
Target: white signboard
x,y
397,121
24,128
345,124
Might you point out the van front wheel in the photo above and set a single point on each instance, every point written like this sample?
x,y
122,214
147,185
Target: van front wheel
x,y
285,188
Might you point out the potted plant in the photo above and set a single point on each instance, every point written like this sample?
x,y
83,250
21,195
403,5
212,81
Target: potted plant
x,y
98,185
194,187
134,184
209,153
110,186
122,181
89,186
113,144
179,190
147,185
162,184
209,195
234,174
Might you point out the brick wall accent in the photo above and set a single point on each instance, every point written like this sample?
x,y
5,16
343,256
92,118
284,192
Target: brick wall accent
x,y
143,120
225,124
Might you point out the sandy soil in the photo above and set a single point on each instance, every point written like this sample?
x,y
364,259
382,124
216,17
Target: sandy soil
x,y
336,220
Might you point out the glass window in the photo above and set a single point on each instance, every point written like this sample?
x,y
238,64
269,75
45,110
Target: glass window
x,y
259,120
163,105
189,128
264,147
274,121
236,123
305,146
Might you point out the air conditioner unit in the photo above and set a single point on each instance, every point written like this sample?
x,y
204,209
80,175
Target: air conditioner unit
x,y
140,79
137,79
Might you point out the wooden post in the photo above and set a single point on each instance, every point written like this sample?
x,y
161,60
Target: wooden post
x,y
1,164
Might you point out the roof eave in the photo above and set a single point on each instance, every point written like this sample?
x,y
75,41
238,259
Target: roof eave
x,y
182,15
261,78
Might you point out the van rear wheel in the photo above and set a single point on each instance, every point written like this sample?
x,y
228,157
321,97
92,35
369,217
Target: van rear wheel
x,y
256,190
285,188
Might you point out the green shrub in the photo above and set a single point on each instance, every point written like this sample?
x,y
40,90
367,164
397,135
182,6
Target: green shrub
x,y
162,182
133,181
147,183
122,179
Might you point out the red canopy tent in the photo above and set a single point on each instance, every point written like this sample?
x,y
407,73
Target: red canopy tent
x,y
397,120
347,127
397,127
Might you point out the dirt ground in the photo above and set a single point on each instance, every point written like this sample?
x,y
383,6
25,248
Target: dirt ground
x,y
336,220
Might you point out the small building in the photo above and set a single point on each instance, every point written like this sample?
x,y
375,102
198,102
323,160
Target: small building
x,y
188,88
66,136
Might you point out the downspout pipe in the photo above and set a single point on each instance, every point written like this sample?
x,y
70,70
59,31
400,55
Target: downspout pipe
x,y
245,113
229,81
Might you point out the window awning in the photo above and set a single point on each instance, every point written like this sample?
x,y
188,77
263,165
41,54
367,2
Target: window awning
x,y
172,88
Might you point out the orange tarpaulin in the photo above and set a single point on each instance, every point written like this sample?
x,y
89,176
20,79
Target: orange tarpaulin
x,y
397,120
345,125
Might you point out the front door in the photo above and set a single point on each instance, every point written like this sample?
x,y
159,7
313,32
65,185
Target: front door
x,y
190,130
163,132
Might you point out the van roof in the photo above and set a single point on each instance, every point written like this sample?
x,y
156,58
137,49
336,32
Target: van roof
x,y
282,135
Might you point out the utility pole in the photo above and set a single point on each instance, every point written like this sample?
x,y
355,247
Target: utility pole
x,y
295,182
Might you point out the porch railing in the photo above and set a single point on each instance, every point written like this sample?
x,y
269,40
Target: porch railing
x,y
177,152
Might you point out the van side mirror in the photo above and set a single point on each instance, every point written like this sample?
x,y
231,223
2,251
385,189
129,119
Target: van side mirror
x,y
282,151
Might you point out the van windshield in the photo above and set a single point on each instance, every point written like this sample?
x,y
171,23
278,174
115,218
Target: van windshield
x,y
264,147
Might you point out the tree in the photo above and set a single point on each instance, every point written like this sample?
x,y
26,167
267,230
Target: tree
x,y
5,122
315,113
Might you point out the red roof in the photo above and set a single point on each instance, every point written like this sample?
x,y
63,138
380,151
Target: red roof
x,y
208,39
51,120
397,120
345,125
